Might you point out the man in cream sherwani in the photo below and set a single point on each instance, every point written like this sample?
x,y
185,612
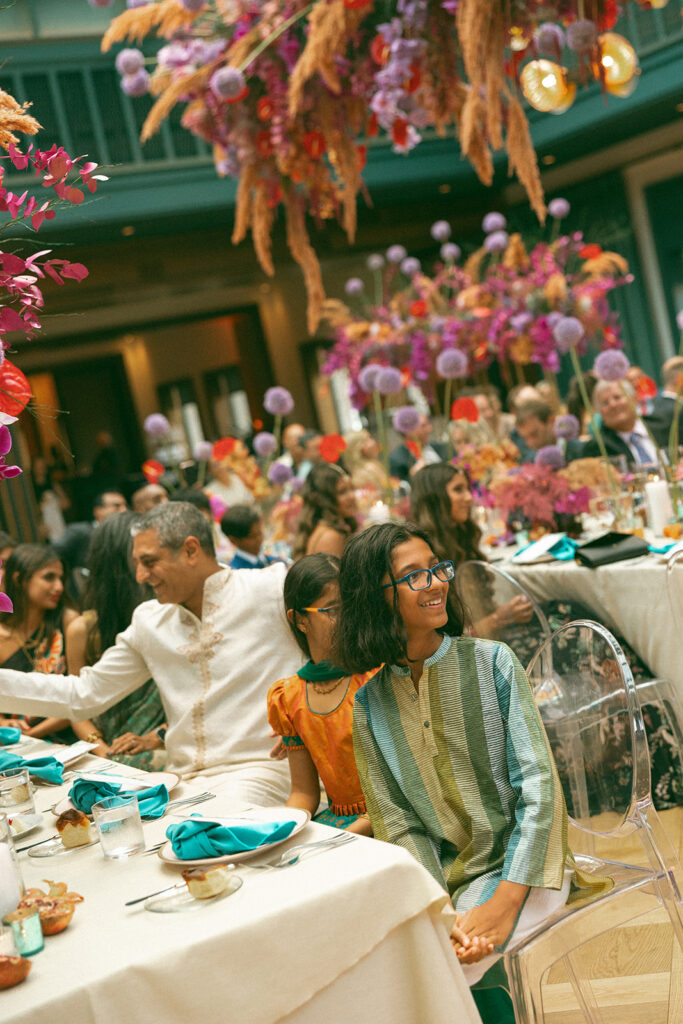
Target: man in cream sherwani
x,y
214,640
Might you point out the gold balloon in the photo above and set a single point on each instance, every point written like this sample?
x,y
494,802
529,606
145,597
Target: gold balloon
x,y
618,59
545,87
626,89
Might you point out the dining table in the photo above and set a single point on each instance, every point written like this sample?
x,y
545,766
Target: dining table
x,y
358,932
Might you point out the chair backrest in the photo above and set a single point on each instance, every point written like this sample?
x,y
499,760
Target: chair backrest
x,y
484,589
674,586
589,705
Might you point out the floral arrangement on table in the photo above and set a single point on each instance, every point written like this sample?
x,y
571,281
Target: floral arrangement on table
x,y
539,498
288,92
504,303
484,462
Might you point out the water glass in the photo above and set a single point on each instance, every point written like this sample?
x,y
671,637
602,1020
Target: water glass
x,y
11,883
119,826
16,792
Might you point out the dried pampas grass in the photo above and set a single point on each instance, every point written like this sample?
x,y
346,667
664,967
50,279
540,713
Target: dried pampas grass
x,y
15,119
331,25
302,251
167,17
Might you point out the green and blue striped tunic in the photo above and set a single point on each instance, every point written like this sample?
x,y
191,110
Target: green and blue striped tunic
x,y
459,771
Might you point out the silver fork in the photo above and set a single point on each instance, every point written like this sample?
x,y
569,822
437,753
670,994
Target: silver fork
x,y
189,801
296,853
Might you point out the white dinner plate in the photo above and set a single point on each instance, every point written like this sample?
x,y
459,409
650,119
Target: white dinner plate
x,y
179,901
21,824
256,814
168,779
56,848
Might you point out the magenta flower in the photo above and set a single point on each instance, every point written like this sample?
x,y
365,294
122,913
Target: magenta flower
x,y
568,332
396,253
406,419
129,61
566,427
5,603
203,451
136,84
7,472
389,380
451,363
156,425
265,443
354,286
558,208
497,241
450,252
493,222
440,231
550,456
611,365
367,378
279,474
227,83
278,401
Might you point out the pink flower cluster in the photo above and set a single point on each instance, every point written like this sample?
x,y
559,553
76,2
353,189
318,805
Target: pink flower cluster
x,y
537,494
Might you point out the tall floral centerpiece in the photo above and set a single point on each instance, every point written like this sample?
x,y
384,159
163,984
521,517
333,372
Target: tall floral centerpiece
x,y
288,92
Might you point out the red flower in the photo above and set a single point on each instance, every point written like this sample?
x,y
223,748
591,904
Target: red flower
x,y
331,447
645,388
264,145
418,308
223,448
152,470
15,390
265,108
399,131
413,82
610,16
314,144
465,409
414,449
356,5
380,50
372,127
590,252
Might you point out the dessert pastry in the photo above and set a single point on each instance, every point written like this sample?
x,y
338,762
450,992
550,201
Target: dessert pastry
x,y
74,828
56,907
13,969
206,883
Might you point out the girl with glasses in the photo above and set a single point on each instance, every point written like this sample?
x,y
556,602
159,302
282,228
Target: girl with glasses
x,y
312,711
452,756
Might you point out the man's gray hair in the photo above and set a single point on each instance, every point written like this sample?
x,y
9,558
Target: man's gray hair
x,y
602,386
174,522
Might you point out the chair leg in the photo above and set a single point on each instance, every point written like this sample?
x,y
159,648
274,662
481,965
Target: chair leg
x,y
583,991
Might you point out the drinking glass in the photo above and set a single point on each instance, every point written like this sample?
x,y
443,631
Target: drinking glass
x,y
11,883
16,792
119,826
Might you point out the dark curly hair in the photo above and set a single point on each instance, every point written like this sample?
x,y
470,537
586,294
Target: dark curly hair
x,y
304,583
319,494
430,508
370,630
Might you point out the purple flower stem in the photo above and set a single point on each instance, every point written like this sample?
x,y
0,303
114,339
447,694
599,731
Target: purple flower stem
x,y
447,415
596,428
381,430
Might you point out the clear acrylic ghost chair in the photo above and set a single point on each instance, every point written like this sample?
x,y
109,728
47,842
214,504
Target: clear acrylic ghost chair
x,y
484,590
588,700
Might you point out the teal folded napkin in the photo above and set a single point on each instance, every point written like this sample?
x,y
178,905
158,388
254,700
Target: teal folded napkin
x,y
9,735
661,549
564,549
197,838
86,792
47,768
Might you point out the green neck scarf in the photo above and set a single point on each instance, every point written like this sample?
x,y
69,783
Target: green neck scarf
x,y
320,673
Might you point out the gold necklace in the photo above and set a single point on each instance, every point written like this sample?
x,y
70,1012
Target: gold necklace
x,y
335,683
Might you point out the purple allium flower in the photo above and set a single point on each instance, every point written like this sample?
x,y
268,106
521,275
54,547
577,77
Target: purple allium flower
x,y
493,222
451,363
558,208
410,266
450,252
549,37
156,425
265,443
567,427
396,253
518,321
582,35
440,231
367,378
550,456
279,474
389,380
568,332
203,450
129,61
611,365
136,84
406,419
679,319
192,5
278,401
227,83
497,241
354,286
375,261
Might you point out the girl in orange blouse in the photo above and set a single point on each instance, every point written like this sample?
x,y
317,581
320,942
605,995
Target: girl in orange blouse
x,y
313,710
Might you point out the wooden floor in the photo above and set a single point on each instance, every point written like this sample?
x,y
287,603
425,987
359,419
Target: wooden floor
x,y
636,970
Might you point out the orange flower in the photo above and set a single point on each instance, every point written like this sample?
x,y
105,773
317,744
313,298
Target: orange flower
x,y
412,83
223,448
418,308
379,50
152,470
331,447
645,388
465,409
590,252
265,108
314,144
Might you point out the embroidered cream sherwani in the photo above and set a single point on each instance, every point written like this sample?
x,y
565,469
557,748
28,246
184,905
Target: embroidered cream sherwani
x,y
213,675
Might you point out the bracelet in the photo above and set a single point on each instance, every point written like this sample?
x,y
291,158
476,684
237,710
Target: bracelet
x,y
94,737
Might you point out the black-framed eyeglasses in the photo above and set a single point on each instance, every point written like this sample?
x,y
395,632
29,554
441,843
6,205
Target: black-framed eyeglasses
x,y
331,611
421,579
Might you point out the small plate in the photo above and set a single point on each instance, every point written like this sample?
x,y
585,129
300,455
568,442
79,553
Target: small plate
x,y
56,848
169,779
257,814
26,823
181,900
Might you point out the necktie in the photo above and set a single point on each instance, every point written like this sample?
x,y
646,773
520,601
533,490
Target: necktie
x,y
642,453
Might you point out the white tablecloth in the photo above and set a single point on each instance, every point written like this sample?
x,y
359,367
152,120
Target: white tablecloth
x,y
634,598
359,933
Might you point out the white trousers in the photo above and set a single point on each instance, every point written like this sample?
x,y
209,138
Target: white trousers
x,y
253,784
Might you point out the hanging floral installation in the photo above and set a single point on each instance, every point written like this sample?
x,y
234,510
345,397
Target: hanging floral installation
x,y
288,92
504,303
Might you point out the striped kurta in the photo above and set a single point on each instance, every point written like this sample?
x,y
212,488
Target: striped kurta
x,y
459,771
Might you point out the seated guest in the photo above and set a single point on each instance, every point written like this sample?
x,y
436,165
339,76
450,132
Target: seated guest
x,y
534,423
328,514
451,752
227,485
661,416
213,639
293,453
148,497
7,546
623,431
415,452
133,729
500,423
32,634
576,405
313,710
361,459
243,526
72,546
194,497
310,446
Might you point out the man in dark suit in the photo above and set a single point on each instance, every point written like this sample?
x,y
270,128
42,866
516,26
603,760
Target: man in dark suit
x,y
534,425
623,432
243,526
415,452
661,417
